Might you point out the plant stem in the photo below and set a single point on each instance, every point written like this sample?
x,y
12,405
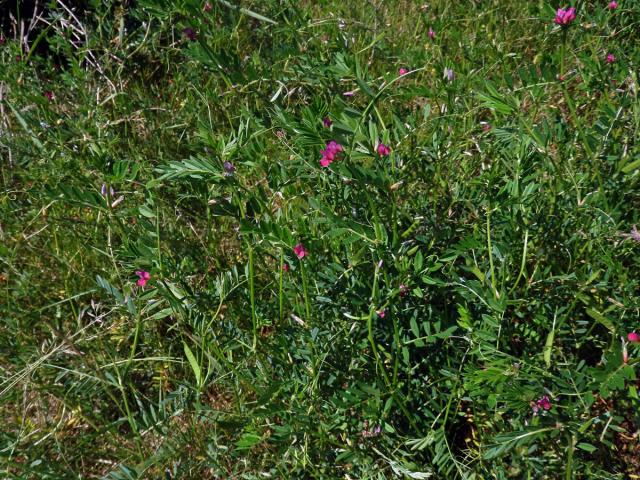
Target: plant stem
x,y
252,298
305,289
280,289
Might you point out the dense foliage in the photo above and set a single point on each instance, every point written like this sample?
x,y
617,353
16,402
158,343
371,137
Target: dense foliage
x,y
281,239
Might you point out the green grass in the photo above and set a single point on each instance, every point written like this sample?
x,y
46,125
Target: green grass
x,y
487,262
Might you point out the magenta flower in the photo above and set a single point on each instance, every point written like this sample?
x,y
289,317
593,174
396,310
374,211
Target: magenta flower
x,y
49,95
329,153
610,58
542,403
403,71
349,94
144,277
403,290
383,150
190,33
565,17
382,313
285,267
326,121
612,5
300,251
432,34
633,337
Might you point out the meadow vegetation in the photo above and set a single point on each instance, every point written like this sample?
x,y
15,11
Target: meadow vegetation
x,y
320,239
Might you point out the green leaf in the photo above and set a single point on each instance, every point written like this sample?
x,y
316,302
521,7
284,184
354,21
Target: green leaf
x,y
549,344
248,12
194,364
597,316
631,166
587,447
248,440
25,127
105,285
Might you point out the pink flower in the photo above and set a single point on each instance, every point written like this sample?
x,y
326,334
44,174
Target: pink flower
x,y
49,95
432,34
300,251
285,267
329,153
326,121
565,17
349,94
383,150
403,290
612,5
610,58
486,127
144,277
543,402
403,71
633,337
382,313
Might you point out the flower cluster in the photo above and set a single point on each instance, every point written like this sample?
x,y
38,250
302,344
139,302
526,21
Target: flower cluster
x,y
143,278
229,168
383,150
449,75
111,197
542,403
190,33
300,251
329,153
565,17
